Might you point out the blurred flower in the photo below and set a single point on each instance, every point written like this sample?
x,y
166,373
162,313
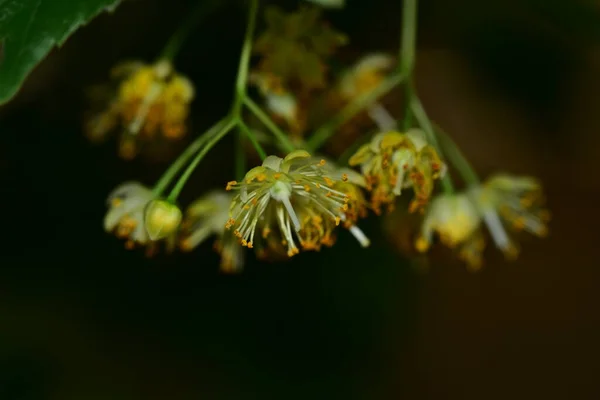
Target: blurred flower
x,y
393,161
280,103
456,220
366,75
277,193
512,202
207,217
295,46
150,99
502,202
127,204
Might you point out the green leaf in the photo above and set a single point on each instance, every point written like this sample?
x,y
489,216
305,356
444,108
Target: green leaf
x,y
29,29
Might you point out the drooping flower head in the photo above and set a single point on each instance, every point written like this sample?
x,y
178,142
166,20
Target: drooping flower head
x,y
393,161
150,99
277,193
512,202
207,217
456,221
127,217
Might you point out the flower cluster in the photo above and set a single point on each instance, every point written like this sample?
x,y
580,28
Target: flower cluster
x,y
296,201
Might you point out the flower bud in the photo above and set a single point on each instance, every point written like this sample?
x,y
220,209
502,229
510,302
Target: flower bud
x,y
161,219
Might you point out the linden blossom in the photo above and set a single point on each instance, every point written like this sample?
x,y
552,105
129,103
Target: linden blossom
x,y
393,161
275,184
456,220
127,217
149,99
206,217
513,201
297,196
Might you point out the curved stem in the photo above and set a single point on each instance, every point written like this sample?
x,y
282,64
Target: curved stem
x,y
183,159
244,128
458,159
242,76
264,118
359,104
202,10
228,124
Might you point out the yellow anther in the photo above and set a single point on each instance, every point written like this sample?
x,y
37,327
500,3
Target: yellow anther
x,y
422,245
116,202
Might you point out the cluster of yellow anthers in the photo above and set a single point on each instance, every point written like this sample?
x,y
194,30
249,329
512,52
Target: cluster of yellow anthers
x,y
393,161
296,196
150,99
502,203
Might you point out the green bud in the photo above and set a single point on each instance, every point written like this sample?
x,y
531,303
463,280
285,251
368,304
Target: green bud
x,y
161,219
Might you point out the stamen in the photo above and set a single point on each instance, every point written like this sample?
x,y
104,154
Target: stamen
x,y
360,236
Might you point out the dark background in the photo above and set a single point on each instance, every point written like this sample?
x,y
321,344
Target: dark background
x,y
516,83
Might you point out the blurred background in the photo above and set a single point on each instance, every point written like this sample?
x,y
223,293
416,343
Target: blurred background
x,y
516,83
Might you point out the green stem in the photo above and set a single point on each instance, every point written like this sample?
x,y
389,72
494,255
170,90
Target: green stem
x,y
264,118
183,159
240,157
407,122
409,37
244,128
242,76
408,44
423,120
353,108
202,10
458,159
228,124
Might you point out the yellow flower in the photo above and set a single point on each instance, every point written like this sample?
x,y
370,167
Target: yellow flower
x,y
126,216
277,193
456,220
512,202
393,161
150,99
366,75
206,217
